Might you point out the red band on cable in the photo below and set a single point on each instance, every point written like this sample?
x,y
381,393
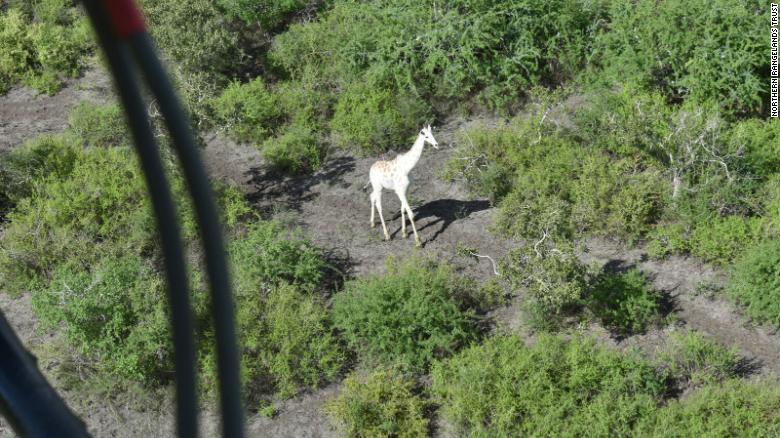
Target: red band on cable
x,y
126,18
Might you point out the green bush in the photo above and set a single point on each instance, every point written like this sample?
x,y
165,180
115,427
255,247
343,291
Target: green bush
x,y
270,14
265,253
542,179
624,301
24,166
696,360
411,315
734,408
286,342
553,388
382,403
755,282
98,208
113,313
82,238
493,50
294,151
660,44
100,126
722,240
250,111
555,279
41,45
375,119
195,34
283,328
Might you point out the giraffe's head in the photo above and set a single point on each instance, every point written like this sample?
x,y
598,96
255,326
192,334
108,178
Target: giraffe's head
x,y
427,135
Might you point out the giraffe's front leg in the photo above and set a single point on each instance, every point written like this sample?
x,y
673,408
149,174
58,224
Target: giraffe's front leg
x,y
378,204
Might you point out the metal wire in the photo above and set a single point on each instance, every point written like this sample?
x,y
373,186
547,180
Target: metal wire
x,y
119,61
27,400
210,229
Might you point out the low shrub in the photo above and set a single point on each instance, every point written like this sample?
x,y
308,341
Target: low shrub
x,y
722,240
624,301
82,239
733,408
296,150
36,159
755,282
100,126
41,45
659,44
555,279
554,388
382,403
492,51
411,315
696,361
249,111
197,35
112,312
270,14
98,208
375,119
285,339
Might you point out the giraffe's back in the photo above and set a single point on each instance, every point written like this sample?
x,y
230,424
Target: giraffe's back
x,y
382,174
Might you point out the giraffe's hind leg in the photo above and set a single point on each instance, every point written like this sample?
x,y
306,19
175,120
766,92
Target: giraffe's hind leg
x,y
377,200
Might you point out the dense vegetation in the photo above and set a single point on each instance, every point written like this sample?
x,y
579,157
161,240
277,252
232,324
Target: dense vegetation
x,y
643,122
81,238
41,43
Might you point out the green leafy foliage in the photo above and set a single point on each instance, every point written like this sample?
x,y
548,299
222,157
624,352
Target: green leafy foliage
x,y
411,315
294,151
31,162
555,279
375,119
450,50
82,239
553,388
100,126
196,34
755,282
734,408
250,111
624,301
111,313
286,342
270,14
700,50
41,43
382,403
697,361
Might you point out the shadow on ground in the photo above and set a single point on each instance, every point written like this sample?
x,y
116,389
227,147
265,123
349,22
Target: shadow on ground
x,y
444,212
271,189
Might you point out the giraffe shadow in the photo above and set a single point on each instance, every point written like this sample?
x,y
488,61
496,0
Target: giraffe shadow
x,y
273,189
443,212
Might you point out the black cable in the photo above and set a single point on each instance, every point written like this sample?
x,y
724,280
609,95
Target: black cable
x,y
120,63
210,229
32,406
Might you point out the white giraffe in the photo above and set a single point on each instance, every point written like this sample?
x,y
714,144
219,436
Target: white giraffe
x,y
394,175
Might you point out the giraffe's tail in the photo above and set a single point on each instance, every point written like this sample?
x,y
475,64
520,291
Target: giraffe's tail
x,y
366,186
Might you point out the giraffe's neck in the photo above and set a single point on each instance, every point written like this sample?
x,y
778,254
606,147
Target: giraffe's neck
x,y
408,160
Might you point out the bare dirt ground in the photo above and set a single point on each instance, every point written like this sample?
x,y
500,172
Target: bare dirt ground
x,y
333,208
25,114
